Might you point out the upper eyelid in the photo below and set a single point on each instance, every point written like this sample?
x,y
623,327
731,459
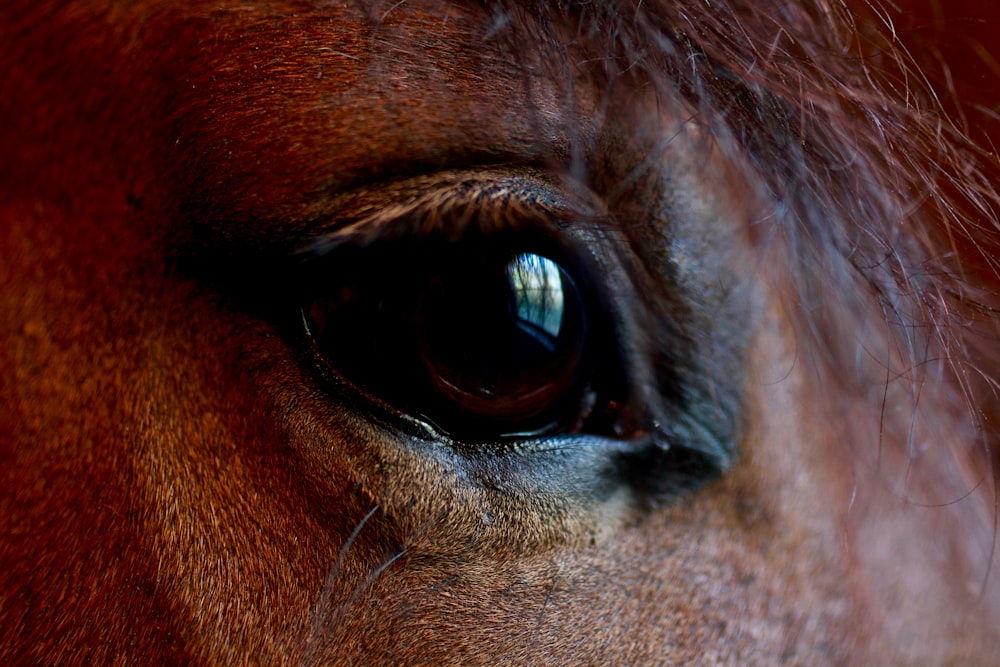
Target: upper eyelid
x,y
449,205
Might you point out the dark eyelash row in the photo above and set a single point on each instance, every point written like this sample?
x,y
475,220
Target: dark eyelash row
x,y
450,205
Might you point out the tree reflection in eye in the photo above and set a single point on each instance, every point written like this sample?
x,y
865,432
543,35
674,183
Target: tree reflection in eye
x,y
537,287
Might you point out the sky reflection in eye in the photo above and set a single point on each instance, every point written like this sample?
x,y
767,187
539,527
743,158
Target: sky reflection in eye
x,y
539,299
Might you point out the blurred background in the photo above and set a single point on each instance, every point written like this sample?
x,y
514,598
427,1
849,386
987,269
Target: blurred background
x,y
957,42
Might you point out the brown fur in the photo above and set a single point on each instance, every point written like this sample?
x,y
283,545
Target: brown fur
x,y
813,229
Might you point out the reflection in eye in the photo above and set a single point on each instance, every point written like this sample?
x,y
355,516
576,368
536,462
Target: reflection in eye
x,y
483,339
538,293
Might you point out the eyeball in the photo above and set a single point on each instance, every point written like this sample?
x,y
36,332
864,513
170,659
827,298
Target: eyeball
x,y
483,339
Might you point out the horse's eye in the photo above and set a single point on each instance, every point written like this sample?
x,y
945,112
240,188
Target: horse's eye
x,y
483,339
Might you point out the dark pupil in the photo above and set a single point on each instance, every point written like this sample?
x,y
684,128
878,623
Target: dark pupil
x,y
480,343
493,340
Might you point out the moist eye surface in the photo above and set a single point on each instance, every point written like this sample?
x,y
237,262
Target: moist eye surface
x,y
484,338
